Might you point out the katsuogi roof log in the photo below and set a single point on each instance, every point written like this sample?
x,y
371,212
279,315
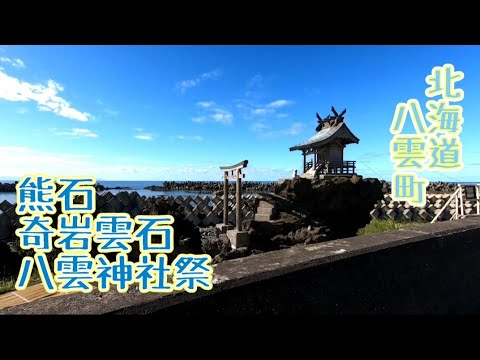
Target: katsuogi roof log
x,y
330,129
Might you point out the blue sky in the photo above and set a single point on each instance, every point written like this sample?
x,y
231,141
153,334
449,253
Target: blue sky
x,y
180,112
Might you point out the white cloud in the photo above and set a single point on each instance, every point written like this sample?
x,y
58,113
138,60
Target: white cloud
x,y
261,111
184,85
214,112
18,63
190,138
295,129
19,161
13,62
77,132
211,75
22,111
258,127
107,110
206,104
253,109
46,97
256,81
144,137
111,112
279,103
255,86
222,116
257,95
272,174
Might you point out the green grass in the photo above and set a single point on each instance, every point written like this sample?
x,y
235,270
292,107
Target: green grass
x,y
378,226
8,284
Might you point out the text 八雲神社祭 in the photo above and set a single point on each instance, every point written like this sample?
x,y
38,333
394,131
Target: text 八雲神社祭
x,y
74,269
435,145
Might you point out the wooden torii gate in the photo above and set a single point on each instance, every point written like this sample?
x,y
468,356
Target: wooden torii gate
x,y
237,237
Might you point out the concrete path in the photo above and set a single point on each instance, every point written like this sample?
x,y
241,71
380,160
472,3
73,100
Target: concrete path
x,y
31,293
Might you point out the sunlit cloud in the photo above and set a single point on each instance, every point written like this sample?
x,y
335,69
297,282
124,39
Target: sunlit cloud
x,y
46,96
184,85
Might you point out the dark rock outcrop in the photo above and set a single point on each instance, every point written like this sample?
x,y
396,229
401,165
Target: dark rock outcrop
x,y
100,187
342,204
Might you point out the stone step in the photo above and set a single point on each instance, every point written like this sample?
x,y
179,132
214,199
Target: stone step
x,y
266,204
262,217
265,210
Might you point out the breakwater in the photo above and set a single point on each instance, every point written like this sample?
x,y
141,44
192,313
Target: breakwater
x,y
7,187
438,187
211,186
387,208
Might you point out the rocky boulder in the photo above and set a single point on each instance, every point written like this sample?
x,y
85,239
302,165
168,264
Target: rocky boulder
x,y
342,204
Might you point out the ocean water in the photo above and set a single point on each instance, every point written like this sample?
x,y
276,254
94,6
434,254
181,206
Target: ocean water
x,y
138,186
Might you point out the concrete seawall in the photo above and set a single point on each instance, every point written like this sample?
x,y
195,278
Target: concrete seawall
x,y
433,268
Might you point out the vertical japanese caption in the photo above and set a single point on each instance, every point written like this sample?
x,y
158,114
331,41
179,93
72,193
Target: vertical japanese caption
x,y
435,145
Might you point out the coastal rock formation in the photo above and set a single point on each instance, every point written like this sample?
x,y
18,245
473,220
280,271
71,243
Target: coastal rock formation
x,y
290,227
100,187
212,243
342,204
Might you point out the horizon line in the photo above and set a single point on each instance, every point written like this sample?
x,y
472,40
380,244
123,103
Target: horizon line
x,y
244,180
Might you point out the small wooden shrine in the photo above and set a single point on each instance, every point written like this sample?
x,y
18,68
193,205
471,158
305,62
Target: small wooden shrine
x,y
323,152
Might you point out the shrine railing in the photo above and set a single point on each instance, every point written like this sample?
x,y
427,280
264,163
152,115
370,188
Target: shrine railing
x,y
340,167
